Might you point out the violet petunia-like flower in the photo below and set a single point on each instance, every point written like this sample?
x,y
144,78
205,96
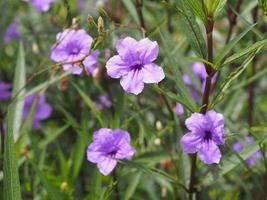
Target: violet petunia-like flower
x,y
107,147
42,5
134,64
206,133
12,32
71,47
5,91
43,109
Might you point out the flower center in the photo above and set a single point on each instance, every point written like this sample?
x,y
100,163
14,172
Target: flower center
x,y
207,135
137,66
75,50
112,153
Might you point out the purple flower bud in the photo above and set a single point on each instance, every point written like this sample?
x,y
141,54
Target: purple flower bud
x,y
134,64
238,147
205,133
107,147
42,5
179,109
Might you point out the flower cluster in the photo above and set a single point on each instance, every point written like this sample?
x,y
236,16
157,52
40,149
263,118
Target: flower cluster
x,y
107,147
43,109
206,133
238,147
73,50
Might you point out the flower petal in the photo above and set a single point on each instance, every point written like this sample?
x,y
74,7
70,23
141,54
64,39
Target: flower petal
x,y
216,121
106,166
133,82
191,142
209,153
152,73
116,67
196,122
148,50
126,48
74,69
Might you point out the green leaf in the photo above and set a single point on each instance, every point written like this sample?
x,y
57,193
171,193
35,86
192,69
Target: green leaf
x,y
91,105
234,75
132,186
14,119
198,9
227,49
131,9
95,185
193,33
243,52
52,191
18,91
217,6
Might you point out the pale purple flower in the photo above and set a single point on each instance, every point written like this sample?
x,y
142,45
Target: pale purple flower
x,y
134,64
179,109
107,147
71,47
43,109
42,5
5,91
249,141
103,102
238,147
206,133
12,32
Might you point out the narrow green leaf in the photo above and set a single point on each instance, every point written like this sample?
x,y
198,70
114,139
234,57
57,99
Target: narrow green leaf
x,y
217,6
132,186
95,185
52,191
91,105
243,52
131,9
198,9
227,49
14,119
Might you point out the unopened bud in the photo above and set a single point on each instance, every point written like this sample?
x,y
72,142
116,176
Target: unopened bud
x,y
100,25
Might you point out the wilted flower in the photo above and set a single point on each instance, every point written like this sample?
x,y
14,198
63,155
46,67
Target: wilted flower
x,y
238,147
179,109
43,109
12,32
5,91
134,64
107,147
73,48
206,132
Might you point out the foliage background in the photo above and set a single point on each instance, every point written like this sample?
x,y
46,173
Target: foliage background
x,y
51,161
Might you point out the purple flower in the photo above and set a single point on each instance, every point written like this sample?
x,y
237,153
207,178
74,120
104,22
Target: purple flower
x,y
206,132
134,64
5,91
179,109
238,147
107,147
42,5
12,32
104,101
43,109
71,47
